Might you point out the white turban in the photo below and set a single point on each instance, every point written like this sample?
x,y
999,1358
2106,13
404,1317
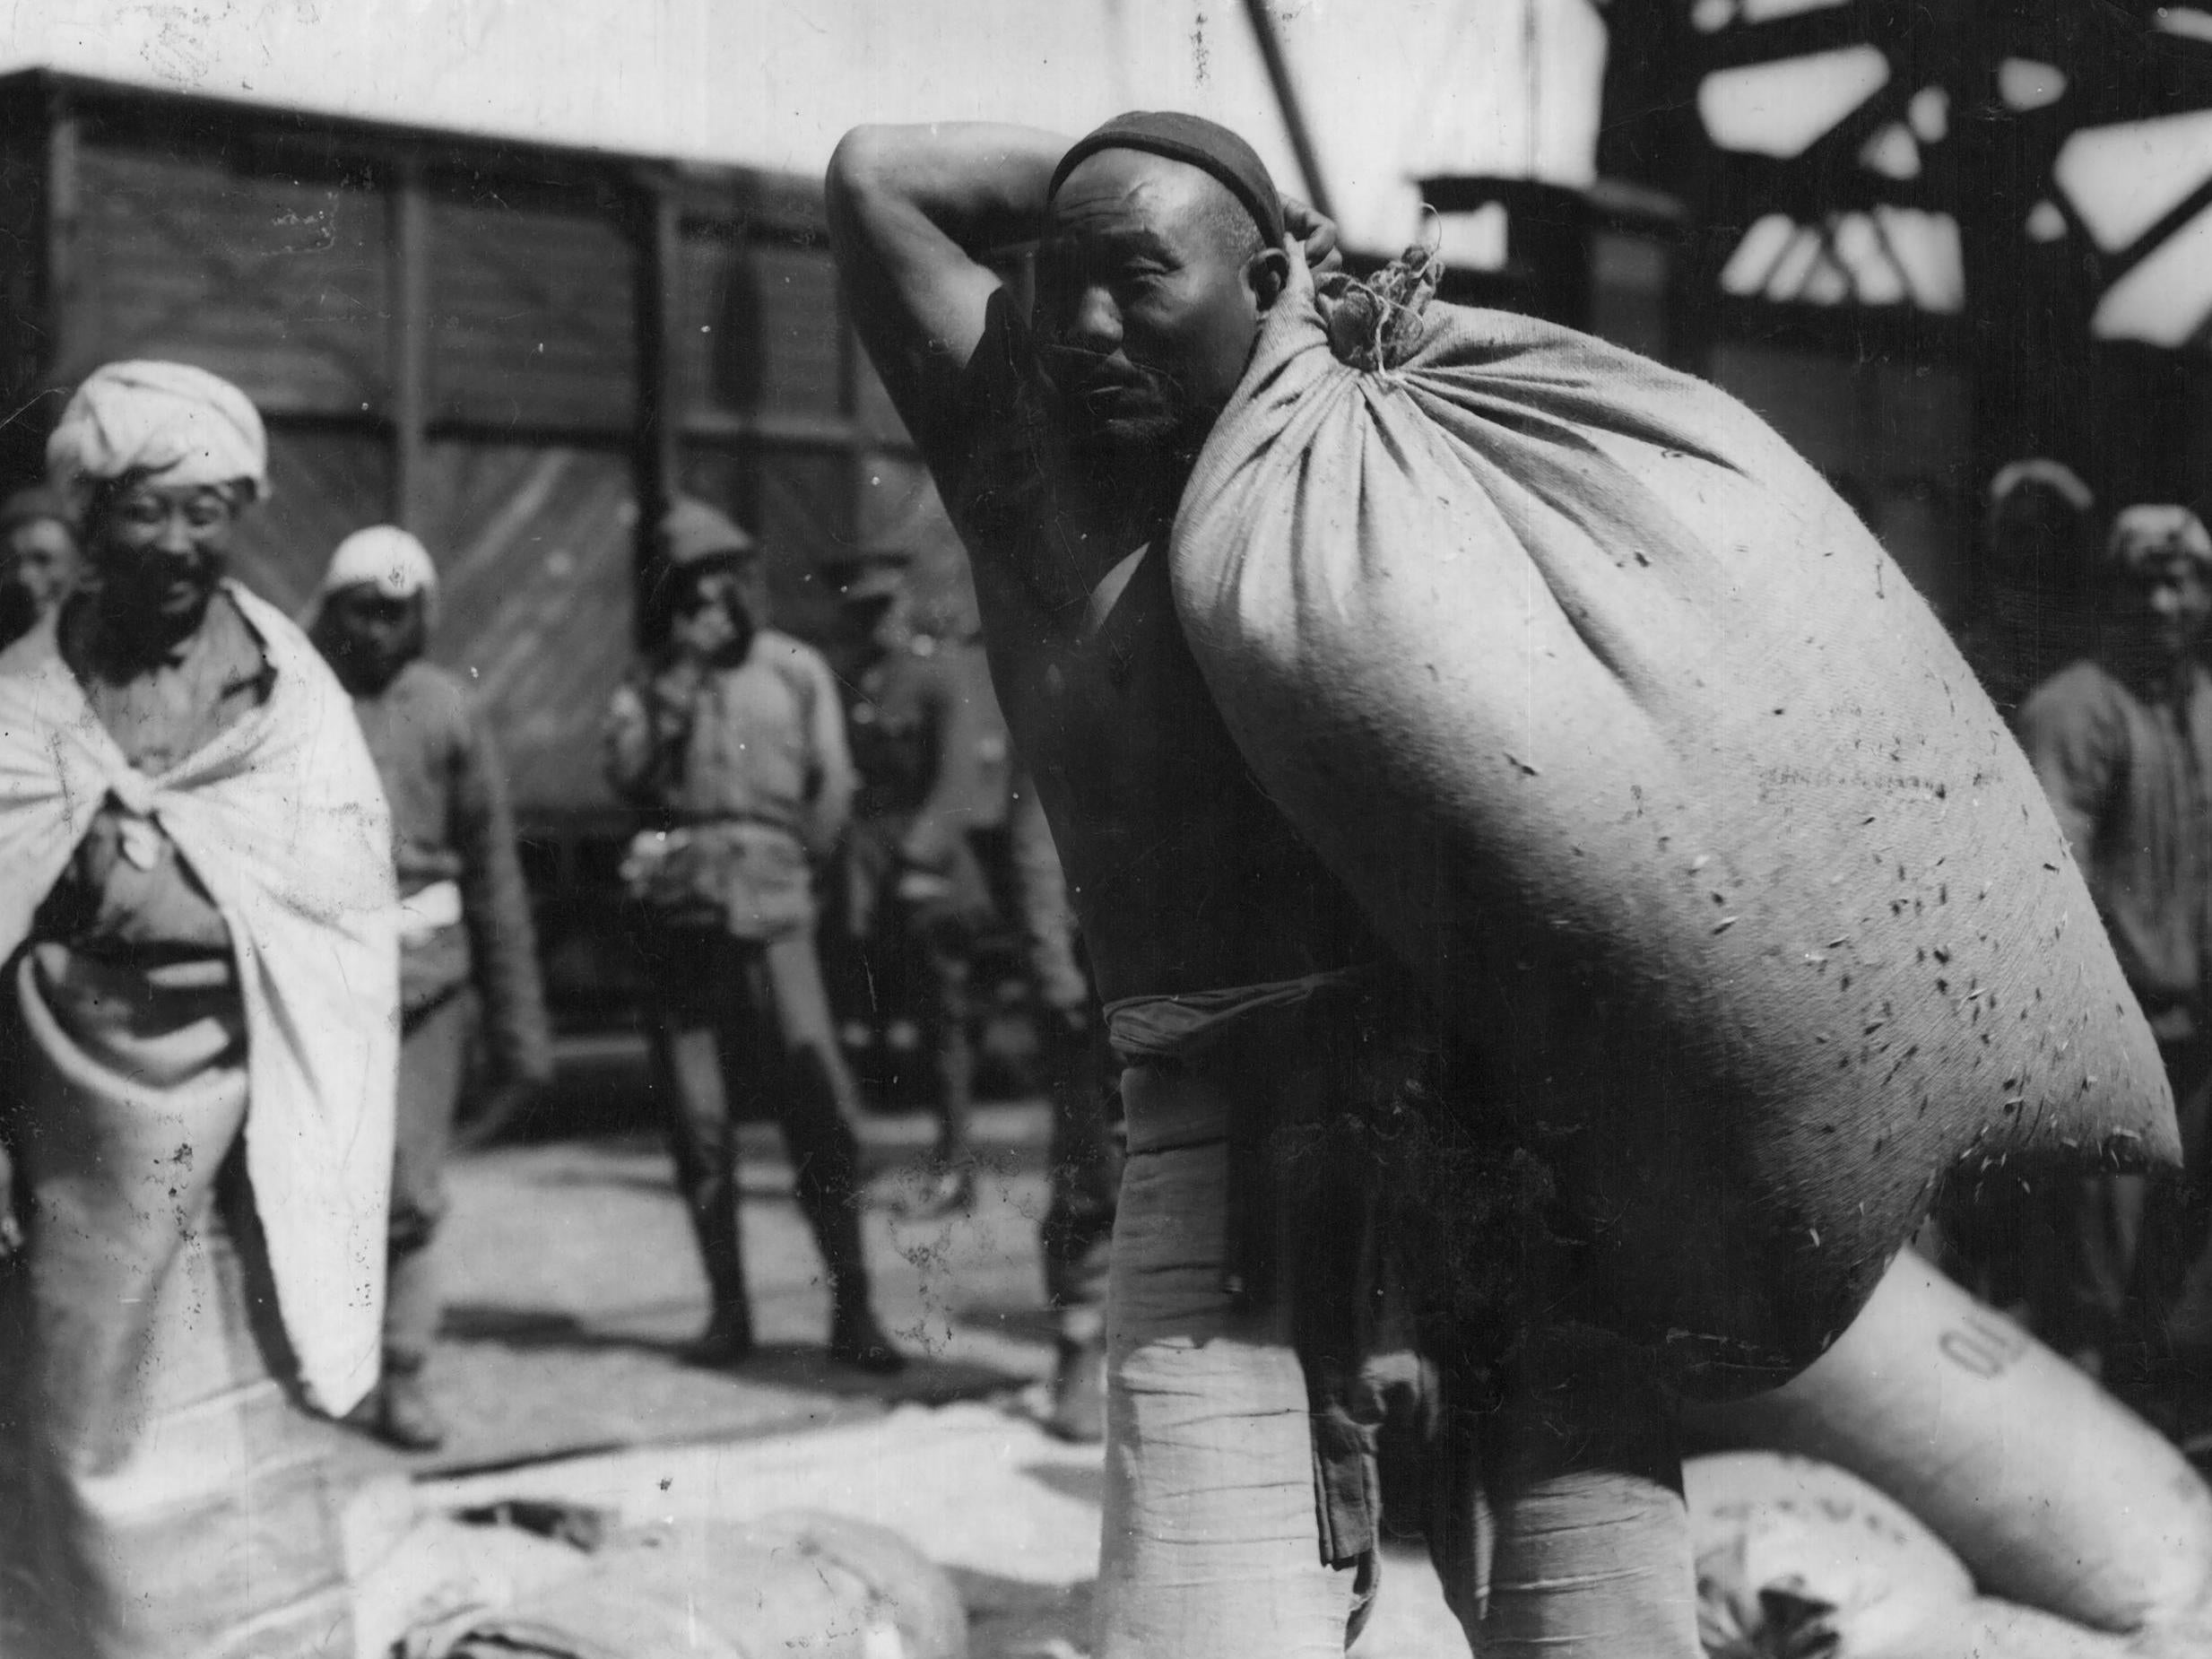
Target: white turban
x,y
2055,476
181,425
385,558
2141,533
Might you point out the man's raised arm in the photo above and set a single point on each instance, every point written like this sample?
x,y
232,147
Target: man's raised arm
x,y
912,209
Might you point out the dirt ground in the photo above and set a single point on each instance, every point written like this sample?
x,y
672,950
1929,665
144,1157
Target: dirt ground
x,y
573,1286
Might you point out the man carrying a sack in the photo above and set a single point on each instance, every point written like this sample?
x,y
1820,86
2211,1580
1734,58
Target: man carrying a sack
x,y
1482,621
731,739
1184,880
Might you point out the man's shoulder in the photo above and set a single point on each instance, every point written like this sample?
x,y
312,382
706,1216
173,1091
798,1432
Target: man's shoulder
x,y
2083,690
425,679
803,671
433,696
787,653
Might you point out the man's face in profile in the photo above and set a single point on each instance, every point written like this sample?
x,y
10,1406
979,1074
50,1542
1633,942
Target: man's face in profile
x,y
1148,299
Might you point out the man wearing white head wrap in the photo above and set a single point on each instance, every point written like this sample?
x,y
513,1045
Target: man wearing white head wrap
x,y
171,422
197,1030
163,457
2122,743
467,955
383,557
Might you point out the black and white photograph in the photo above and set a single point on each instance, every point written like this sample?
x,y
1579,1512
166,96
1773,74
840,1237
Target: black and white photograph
x,y
1106,829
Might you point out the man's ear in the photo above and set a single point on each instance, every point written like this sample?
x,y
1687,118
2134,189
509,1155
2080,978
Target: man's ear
x,y
1267,274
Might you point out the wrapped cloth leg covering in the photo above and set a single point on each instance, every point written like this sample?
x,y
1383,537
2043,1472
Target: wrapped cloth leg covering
x,y
1212,1549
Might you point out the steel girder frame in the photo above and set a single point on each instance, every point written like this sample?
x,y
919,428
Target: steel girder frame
x,y
2023,330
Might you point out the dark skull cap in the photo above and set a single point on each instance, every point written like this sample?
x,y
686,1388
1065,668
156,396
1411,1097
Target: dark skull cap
x,y
1193,139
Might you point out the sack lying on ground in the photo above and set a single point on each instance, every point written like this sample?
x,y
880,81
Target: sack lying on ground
x,y
1643,756
1798,1560
802,1582
426,1573
1796,1556
2048,1489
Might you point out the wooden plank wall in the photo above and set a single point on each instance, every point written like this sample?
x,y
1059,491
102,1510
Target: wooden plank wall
x,y
759,328
532,322
276,283
764,402
798,331
533,547
24,344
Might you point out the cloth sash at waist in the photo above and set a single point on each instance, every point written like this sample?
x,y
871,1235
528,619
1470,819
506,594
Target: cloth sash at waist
x,y
1182,1029
1215,1032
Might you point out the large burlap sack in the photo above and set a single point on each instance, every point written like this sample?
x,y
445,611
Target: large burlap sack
x,y
1636,748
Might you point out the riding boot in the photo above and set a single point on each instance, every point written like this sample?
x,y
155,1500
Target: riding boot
x,y
855,1337
726,1339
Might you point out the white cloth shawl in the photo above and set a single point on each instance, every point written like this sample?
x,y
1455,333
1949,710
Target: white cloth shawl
x,y
283,818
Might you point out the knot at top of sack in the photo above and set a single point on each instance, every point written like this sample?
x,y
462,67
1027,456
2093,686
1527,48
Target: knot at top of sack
x,y
1375,324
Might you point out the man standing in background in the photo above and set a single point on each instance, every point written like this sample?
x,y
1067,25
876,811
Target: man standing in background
x,y
731,739
467,954
38,558
2122,743
196,1061
931,751
2033,603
